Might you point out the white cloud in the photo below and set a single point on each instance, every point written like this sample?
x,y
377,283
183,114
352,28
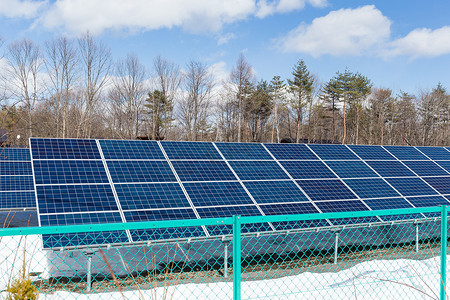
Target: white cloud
x,y
223,39
341,32
77,16
220,72
267,8
422,42
20,8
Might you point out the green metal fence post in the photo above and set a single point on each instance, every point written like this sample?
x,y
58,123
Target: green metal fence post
x,y
443,251
236,257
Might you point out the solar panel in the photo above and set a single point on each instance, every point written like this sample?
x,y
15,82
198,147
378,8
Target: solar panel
x,y
435,153
390,168
291,152
243,151
92,181
137,171
411,186
258,170
371,188
405,153
69,171
190,150
351,169
203,170
425,168
307,169
217,193
275,191
371,152
441,184
16,181
117,149
326,189
151,196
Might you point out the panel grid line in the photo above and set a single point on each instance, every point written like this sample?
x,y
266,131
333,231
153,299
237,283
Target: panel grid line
x,y
111,183
439,193
242,184
197,215
295,182
383,178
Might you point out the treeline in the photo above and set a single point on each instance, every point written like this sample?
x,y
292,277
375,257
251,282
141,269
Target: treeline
x,y
71,88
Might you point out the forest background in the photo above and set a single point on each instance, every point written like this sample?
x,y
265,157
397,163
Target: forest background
x,y
71,88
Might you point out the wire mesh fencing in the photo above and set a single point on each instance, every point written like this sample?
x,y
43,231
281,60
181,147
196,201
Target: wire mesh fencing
x,y
393,254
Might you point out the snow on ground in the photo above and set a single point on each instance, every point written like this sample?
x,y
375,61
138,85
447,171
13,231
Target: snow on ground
x,y
379,279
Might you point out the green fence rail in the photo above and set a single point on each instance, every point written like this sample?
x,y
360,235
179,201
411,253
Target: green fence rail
x,y
383,254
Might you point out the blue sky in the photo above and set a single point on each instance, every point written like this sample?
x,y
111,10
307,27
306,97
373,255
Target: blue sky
x,y
402,45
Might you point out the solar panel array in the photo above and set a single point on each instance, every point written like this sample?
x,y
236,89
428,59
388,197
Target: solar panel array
x,y
101,181
16,180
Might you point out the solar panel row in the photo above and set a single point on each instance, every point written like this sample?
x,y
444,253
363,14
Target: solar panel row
x,y
79,181
16,180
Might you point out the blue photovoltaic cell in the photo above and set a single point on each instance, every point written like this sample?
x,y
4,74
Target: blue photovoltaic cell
x,y
151,195
293,209
116,149
333,152
16,183
290,151
89,238
15,168
17,154
435,153
390,203
411,186
441,184
444,164
425,168
203,170
405,153
371,152
326,189
351,169
307,169
75,198
371,188
17,200
69,171
428,201
163,233
190,150
258,170
390,168
275,191
140,171
64,149
217,193
250,151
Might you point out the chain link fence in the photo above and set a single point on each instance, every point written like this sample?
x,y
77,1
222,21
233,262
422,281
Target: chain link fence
x,y
393,254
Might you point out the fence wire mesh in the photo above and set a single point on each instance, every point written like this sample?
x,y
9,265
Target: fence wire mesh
x,y
354,255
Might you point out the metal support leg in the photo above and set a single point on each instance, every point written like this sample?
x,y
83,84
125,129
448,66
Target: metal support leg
x,y
225,259
89,276
417,237
336,247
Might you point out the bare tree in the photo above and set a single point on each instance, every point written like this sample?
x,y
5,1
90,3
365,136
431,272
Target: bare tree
x,y
62,66
242,79
95,60
24,64
167,82
128,95
194,107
